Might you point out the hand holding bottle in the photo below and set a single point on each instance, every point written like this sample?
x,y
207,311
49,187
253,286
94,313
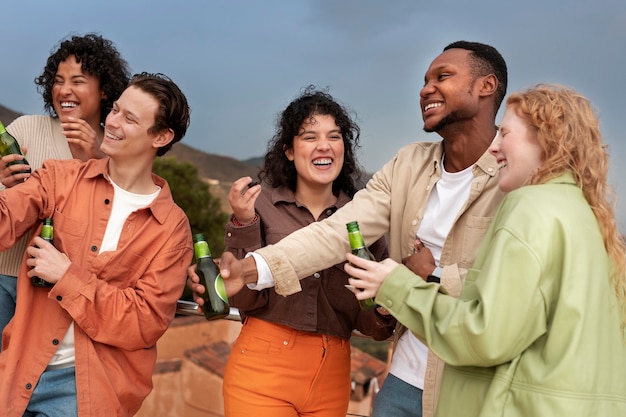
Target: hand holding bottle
x,y
12,171
235,272
45,261
367,276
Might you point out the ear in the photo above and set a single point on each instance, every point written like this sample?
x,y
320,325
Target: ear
x,y
488,85
288,153
163,138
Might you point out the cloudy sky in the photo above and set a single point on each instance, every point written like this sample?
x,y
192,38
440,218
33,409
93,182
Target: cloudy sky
x,y
241,61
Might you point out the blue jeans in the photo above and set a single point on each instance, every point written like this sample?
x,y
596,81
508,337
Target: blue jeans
x,y
8,295
54,395
396,398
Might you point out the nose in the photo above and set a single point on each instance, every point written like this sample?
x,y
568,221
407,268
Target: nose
x,y
65,89
110,120
494,148
427,89
323,144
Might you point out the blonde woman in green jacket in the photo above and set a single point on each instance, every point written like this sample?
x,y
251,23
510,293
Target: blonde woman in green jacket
x,y
539,327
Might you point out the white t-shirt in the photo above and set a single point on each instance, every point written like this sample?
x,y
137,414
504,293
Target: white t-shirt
x,y
408,362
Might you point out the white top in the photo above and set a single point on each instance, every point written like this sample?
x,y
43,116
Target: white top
x,y
410,356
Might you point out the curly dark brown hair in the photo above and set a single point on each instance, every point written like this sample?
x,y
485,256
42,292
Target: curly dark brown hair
x,y
279,171
98,57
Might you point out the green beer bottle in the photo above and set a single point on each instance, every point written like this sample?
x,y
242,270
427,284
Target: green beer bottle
x,y
47,232
215,299
357,244
8,145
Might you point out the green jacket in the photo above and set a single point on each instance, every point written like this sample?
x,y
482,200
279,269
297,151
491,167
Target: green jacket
x,y
536,330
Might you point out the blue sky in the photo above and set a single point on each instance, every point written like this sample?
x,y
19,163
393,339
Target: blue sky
x,y
241,61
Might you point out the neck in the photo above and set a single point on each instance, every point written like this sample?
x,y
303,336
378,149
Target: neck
x,y
135,179
316,199
463,147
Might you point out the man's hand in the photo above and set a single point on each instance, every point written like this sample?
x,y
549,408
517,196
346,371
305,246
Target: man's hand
x,y
46,262
235,272
422,262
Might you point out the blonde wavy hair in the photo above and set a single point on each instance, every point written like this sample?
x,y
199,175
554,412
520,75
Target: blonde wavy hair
x,y
568,131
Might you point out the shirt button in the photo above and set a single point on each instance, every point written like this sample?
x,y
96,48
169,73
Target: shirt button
x,y
59,298
489,169
316,275
285,342
229,234
329,212
94,248
106,201
29,385
414,222
55,341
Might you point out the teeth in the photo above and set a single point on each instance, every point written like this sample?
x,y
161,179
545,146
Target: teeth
x,y
432,106
112,137
323,161
68,105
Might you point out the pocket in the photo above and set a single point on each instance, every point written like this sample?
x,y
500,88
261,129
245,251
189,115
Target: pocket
x,y
73,230
474,233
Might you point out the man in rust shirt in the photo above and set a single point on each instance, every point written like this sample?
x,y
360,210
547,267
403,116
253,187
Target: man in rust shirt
x,y
87,345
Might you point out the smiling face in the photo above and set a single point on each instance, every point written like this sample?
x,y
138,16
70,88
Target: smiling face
x,y
517,151
126,133
76,93
317,152
448,95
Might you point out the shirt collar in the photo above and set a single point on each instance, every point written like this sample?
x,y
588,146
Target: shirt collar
x,y
160,207
284,194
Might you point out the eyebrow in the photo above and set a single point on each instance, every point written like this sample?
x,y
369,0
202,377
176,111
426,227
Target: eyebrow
x,y
126,111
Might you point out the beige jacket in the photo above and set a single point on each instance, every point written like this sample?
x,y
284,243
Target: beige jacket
x,y
393,202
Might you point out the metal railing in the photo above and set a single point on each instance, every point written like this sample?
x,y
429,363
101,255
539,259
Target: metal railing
x,y
191,308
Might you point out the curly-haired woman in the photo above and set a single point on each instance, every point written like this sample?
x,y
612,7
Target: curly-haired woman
x,y
81,80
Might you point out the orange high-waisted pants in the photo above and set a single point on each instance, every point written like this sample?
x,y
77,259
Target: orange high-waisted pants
x,y
275,371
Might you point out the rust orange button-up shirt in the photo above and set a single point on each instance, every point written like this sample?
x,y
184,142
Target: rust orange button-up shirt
x,y
120,301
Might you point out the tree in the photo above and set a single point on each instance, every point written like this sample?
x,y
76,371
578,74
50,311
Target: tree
x,y
194,197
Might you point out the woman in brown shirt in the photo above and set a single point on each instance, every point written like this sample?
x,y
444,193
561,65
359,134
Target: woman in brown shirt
x,y
293,354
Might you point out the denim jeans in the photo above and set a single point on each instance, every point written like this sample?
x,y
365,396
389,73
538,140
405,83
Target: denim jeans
x,y
396,398
8,285
54,395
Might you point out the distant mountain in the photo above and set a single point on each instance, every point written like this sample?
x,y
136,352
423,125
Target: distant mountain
x,y
7,115
210,166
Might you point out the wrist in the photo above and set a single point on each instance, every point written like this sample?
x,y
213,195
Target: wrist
x,y
247,223
250,273
435,276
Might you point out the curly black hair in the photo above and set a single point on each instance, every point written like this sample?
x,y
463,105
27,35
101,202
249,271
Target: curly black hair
x,y
487,60
279,171
98,57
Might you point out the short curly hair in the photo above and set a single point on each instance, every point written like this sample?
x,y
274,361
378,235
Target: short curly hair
x,y
486,60
98,57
